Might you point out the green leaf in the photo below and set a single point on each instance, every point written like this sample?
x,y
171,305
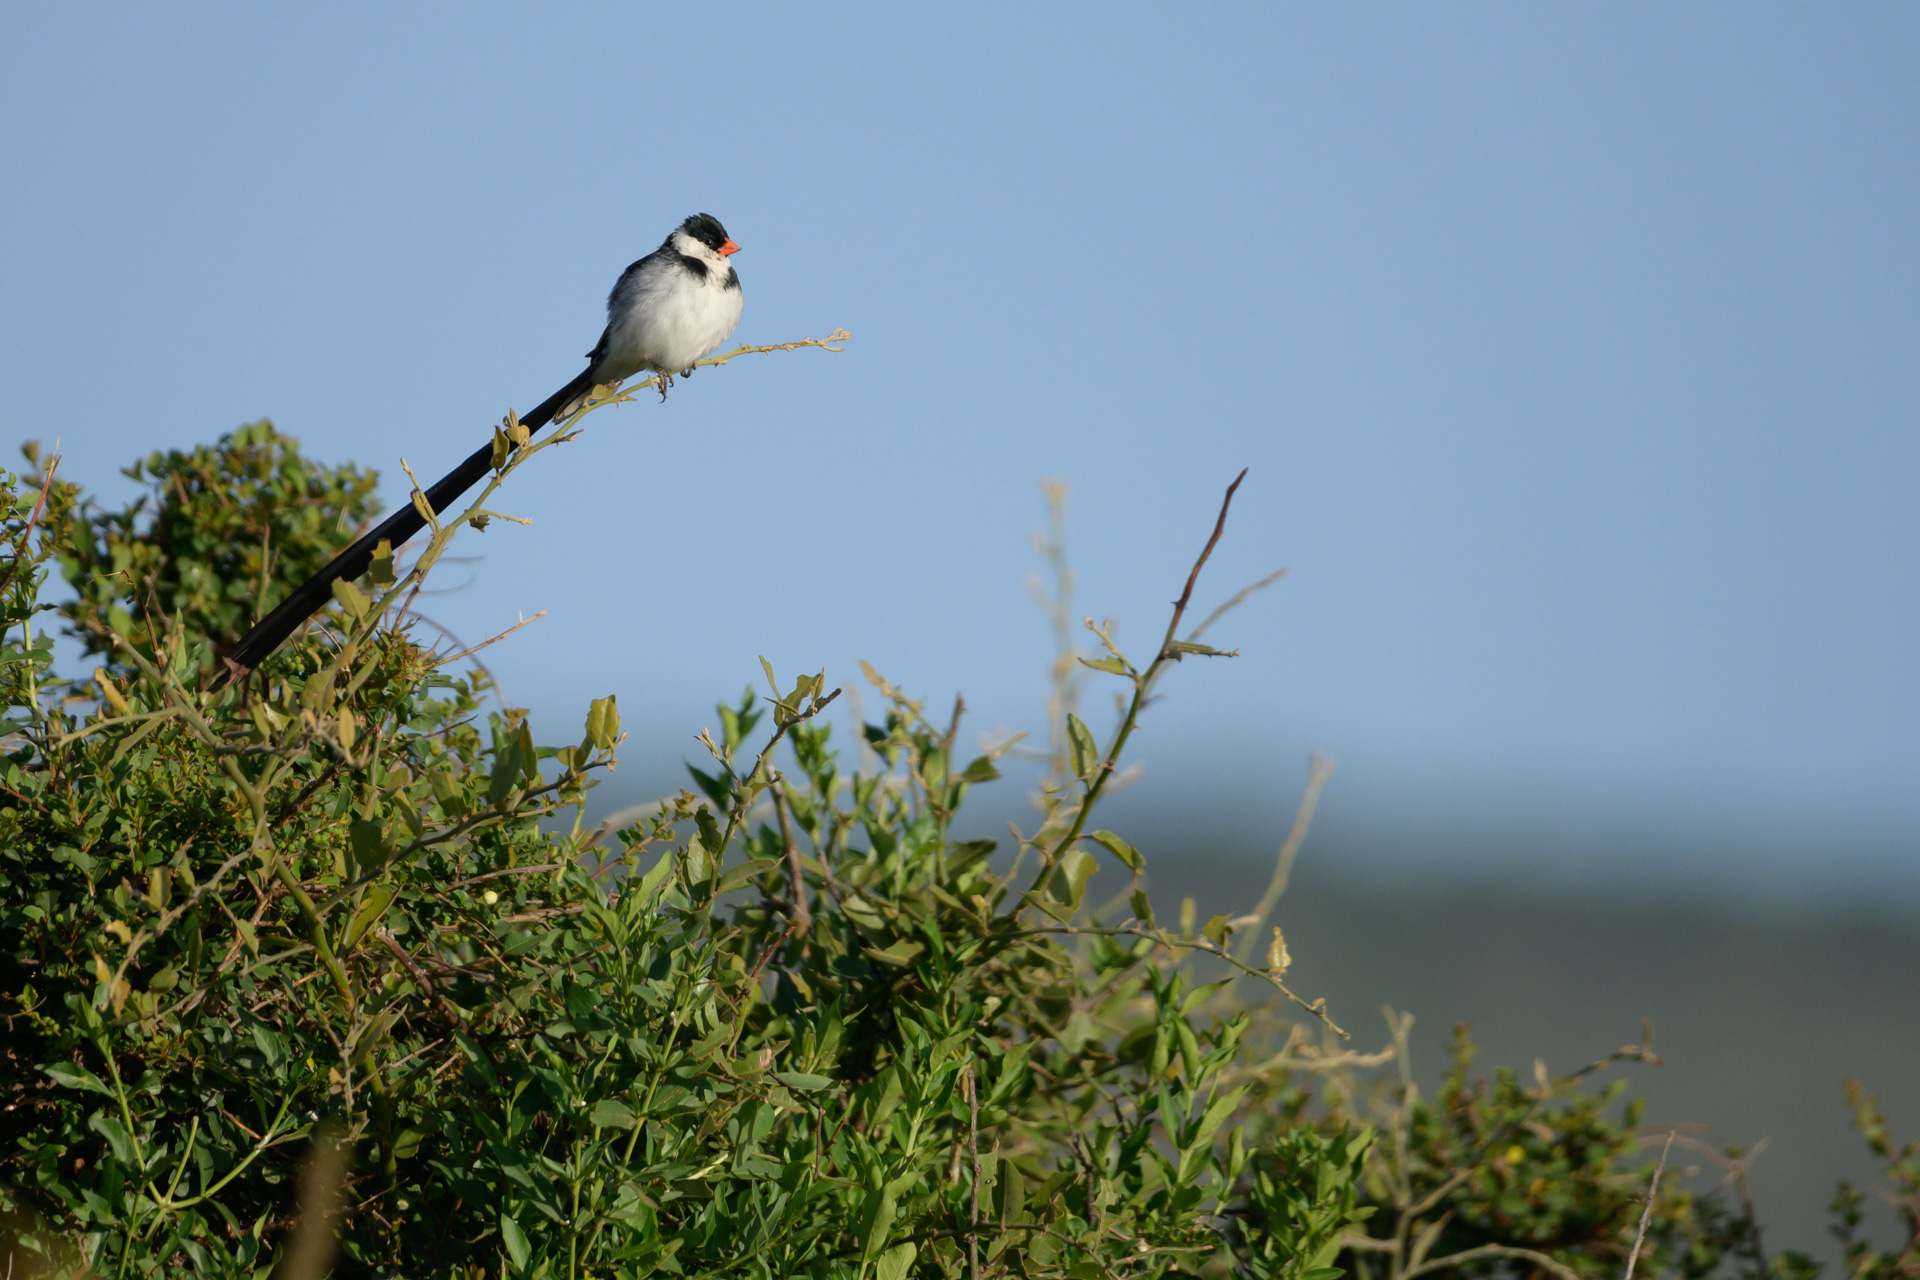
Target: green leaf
x,y
650,882
351,598
611,1113
803,1081
133,740
603,723
1142,908
110,1128
1013,1189
1120,849
981,770
1217,1115
529,757
477,1057
77,1078
1189,1051
750,870
967,854
1069,880
271,1046
876,1220
711,837
1086,753
372,906
506,768
1180,648
409,812
901,953
447,791
380,571
895,1262
804,687
1216,931
1201,994
718,787
1114,665
515,1240
368,843
698,864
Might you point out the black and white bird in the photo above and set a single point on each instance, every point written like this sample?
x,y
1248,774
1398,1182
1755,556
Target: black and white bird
x,y
666,311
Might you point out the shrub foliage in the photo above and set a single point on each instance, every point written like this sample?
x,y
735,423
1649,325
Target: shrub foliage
x,y
783,1023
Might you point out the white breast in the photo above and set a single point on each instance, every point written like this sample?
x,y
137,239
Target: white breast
x,y
667,318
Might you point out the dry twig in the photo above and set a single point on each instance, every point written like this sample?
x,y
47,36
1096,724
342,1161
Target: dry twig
x,y
1646,1213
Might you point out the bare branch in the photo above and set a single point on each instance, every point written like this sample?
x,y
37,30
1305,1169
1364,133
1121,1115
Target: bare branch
x,y
1646,1212
1319,769
467,652
1239,598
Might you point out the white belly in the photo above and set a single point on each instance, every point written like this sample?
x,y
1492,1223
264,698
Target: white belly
x,y
666,326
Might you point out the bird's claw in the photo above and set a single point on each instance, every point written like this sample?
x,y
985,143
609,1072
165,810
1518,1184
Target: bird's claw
x,y
664,381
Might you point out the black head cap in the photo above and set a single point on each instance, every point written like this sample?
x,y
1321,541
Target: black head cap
x,y
706,228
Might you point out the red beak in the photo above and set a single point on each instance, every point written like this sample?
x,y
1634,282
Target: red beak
x,y
729,248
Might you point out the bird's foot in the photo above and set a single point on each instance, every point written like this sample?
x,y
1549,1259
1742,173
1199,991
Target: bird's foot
x,y
687,372
663,381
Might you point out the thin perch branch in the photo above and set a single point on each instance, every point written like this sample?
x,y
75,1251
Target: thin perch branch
x,y
524,622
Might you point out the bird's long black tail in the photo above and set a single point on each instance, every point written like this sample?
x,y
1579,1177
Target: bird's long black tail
x,y
312,595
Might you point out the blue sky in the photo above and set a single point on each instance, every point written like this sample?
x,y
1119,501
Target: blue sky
x,y
1573,351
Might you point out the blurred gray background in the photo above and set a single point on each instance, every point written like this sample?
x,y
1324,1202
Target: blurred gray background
x,y
1573,352
1760,1010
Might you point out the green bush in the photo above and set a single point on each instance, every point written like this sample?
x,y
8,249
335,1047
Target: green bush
x,y
220,533
785,1024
